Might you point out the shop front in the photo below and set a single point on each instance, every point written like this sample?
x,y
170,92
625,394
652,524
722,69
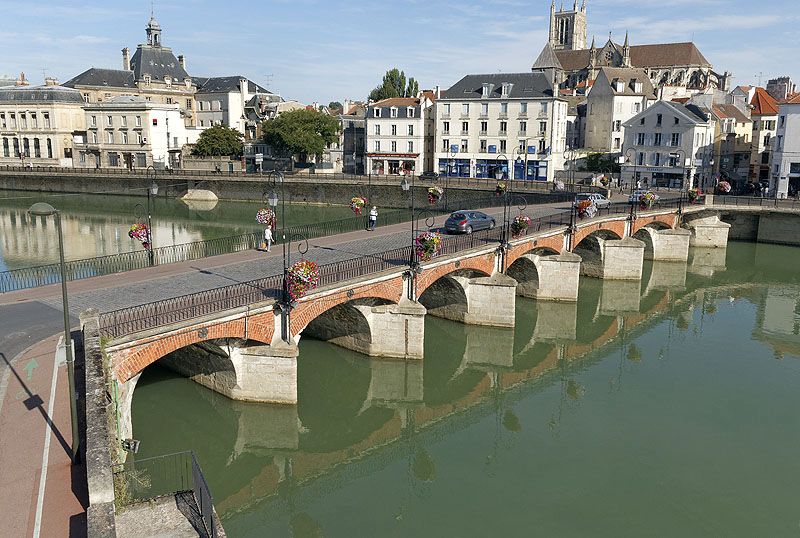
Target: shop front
x,y
535,170
454,167
491,168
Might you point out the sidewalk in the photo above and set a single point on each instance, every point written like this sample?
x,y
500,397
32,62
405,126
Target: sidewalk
x,y
35,434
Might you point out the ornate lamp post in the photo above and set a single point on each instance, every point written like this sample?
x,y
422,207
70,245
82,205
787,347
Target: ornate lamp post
x,y
679,157
152,192
42,209
413,262
630,158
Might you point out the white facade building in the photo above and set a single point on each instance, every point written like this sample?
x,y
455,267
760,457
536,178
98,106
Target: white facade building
x,y
132,132
764,113
511,125
785,178
617,95
399,134
669,145
223,100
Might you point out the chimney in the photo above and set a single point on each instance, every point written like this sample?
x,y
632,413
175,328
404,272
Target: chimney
x,y
126,59
22,81
51,81
438,92
182,61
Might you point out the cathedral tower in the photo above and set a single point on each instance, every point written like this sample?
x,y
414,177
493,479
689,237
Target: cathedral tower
x,y
568,28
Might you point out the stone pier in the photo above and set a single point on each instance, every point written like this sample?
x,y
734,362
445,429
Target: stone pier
x,y
548,278
487,301
709,232
669,245
613,259
395,331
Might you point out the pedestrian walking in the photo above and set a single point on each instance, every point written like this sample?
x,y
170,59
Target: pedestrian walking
x,y
268,237
373,218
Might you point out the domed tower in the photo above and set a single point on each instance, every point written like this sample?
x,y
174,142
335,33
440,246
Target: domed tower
x,y
153,32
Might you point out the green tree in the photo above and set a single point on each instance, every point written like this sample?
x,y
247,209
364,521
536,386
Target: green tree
x,y
219,140
394,84
301,132
334,105
602,162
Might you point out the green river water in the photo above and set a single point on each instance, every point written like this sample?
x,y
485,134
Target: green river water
x,y
97,225
666,408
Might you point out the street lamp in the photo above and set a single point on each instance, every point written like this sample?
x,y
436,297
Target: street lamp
x,y
679,157
275,180
152,191
413,262
43,209
630,156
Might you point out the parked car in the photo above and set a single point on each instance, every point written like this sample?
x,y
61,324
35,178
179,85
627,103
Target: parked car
x,y
598,199
468,222
428,176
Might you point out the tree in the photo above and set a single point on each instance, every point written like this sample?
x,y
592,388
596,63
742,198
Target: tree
x,y
335,105
602,162
394,85
219,140
301,132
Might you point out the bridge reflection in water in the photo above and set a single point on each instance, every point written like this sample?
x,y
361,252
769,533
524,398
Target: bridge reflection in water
x,y
357,416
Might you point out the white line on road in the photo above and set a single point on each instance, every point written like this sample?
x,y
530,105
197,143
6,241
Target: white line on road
x,y
37,526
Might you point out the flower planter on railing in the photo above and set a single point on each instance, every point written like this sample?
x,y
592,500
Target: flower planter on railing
x,y
140,232
302,277
694,195
434,194
520,225
647,200
267,216
427,245
357,204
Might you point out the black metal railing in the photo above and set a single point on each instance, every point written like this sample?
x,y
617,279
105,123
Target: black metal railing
x,y
752,201
150,478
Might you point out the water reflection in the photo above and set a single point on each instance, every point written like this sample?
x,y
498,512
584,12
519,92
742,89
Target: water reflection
x,y
97,225
576,397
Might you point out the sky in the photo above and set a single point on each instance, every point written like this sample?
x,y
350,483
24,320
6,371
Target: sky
x,y
326,50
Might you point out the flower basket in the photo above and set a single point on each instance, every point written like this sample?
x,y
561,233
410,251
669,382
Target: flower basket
x,y
267,216
585,208
724,187
647,199
357,203
140,232
427,245
434,194
500,189
694,195
302,277
519,225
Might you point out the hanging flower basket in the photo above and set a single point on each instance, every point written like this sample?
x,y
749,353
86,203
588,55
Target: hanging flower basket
x,y
434,194
302,277
500,189
427,245
694,195
357,203
519,225
586,208
267,216
724,187
647,199
140,232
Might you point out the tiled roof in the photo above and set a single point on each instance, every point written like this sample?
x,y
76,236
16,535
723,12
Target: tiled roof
x,y
396,101
681,100
628,76
547,59
40,94
524,85
643,56
158,62
226,85
793,99
430,94
114,78
730,111
763,104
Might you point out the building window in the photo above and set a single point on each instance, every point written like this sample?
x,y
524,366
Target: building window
x,y
523,108
34,120
202,105
6,149
188,105
113,159
410,112
641,121
411,130
676,139
640,139
2,120
445,144
464,127
141,160
780,143
393,112
110,121
659,117
484,127
37,150
484,146
657,139
124,121
376,112
616,143
16,147
49,149
446,127
542,127
542,148
640,158
394,130
93,136
656,159
23,120
523,127
124,135
13,117
617,126
503,109
446,109
465,109
169,100
394,146
464,145
110,137
502,146
82,157
93,121
637,107
794,168
544,109
85,97
26,147
377,130
411,146
377,145
139,138
484,109
677,121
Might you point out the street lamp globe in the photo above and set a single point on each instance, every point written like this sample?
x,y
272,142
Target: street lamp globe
x,y
154,188
272,200
42,209
404,185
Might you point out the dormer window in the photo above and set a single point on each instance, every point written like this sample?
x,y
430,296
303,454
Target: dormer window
x,y
619,86
487,90
147,79
506,89
393,112
638,87
168,80
376,112
410,112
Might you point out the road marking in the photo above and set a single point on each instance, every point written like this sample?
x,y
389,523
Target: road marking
x,y
37,526
31,364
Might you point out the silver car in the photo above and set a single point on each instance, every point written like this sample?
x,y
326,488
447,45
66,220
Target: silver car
x,y
468,221
598,199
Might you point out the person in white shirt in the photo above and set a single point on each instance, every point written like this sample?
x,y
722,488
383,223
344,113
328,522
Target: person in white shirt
x,y
268,237
373,218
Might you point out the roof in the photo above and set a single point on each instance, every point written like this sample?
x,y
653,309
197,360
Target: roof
x,y
523,85
547,59
158,62
116,78
763,104
396,101
430,95
226,85
793,99
726,111
681,100
628,76
643,56
693,110
40,94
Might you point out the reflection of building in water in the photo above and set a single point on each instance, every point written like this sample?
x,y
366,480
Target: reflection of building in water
x,y
778,321
28,242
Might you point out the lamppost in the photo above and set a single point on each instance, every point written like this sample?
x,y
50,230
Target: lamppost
x,y
679,157
518,151
508,198
413,262
569,154
275,180
630,157
42,209
152,191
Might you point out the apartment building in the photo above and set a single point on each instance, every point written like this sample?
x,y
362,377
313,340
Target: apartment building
x,y
764,113
785,177
399,134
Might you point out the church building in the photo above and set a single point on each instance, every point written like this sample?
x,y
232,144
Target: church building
x,y
678,65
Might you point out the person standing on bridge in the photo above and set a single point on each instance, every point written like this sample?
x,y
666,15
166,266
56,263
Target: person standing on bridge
x,y
373,218
268,237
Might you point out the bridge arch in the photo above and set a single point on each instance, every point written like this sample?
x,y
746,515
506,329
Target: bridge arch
x,y
346,324
447,295
647,234
525,270
590,249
